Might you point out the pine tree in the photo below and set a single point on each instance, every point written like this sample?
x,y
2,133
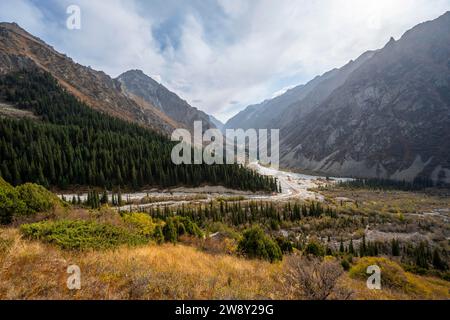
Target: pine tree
x,y
395,248
363,247
438,263
104,199
351,249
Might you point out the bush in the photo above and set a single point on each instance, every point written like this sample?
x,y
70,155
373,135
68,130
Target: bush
x,y
285,245
178,226
392,275
345,264
10,203
36,198
141,223
158,235
256,244
81,235
26,199
170,232
314,248
313,279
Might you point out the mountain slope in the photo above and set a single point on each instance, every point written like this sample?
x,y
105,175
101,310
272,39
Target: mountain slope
x,y
391,118
137,84
19,49
69,144
219,124
301,99
386,114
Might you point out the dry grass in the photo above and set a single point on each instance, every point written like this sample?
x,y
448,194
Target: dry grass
x,y
425,288
32,270
392,201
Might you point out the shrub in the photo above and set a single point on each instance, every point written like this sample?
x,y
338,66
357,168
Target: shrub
x,y
285,245
314,248
36,198
256,244
10,203
158,235
81,235
170,232
141,222
345,264
313,279
392,275
178,226
26,199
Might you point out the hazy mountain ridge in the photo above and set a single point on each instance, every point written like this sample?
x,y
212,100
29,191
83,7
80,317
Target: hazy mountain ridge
x,y
139,84
275,112
20,50
386,114
390,119
219,124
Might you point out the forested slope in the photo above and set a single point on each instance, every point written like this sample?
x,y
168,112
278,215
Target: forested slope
x,y
72,144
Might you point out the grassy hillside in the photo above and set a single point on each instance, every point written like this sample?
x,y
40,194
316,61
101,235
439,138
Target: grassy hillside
x,y
33,270
209,252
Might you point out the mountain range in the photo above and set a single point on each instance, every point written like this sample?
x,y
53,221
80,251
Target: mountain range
x,y
133,96
384,115
138,85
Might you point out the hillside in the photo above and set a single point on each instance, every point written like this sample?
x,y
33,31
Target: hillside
x,y
155,272
137,84
68,144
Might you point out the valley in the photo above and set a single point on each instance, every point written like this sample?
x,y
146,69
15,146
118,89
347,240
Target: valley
x,y
88,180
294,187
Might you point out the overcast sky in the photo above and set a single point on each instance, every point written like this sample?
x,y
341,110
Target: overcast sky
x,y
221,55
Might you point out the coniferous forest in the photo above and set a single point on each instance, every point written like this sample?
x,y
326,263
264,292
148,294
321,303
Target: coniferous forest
x,y
71,144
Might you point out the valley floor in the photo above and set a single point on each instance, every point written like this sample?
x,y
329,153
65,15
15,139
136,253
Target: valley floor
x,y
33,264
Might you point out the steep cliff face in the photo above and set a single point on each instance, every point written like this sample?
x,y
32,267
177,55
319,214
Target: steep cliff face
x,y
19,49
386,114
391,117
138,84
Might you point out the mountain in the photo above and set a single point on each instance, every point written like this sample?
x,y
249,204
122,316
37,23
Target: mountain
x,y
137,84
69,144
19,50
219,124
384,115
273,113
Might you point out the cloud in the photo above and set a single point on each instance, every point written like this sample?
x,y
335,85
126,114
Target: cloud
x,y
282,91
213,52
23,12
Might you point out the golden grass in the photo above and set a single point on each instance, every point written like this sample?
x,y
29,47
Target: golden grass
x,y
33,270
422,288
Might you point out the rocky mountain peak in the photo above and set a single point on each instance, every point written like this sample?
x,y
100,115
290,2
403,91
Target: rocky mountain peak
x,y
139,85
21,50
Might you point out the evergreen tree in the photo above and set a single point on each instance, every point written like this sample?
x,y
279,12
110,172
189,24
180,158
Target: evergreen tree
x,y
351,249
395,248
438,263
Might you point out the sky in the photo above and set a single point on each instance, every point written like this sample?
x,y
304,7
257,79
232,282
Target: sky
x,y
221,55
